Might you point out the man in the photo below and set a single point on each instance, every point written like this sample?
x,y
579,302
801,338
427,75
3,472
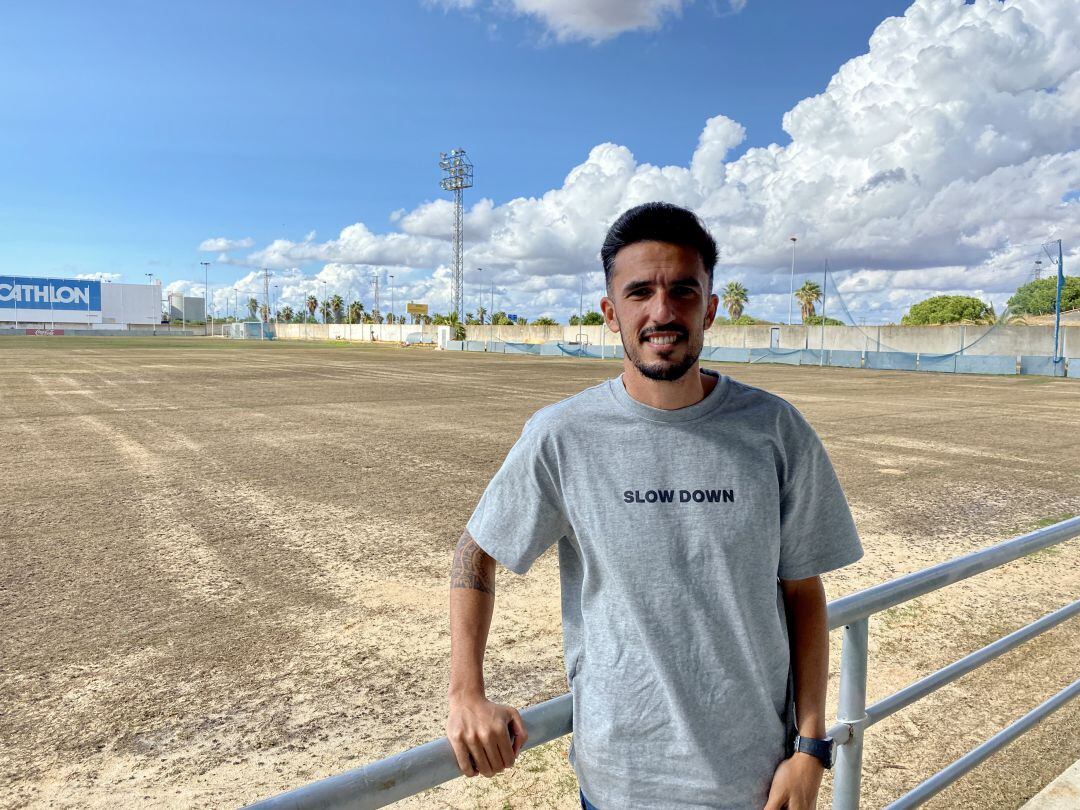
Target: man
x,y
693,516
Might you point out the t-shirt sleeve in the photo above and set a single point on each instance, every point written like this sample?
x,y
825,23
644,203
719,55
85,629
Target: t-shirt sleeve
x,y
817,532
521,513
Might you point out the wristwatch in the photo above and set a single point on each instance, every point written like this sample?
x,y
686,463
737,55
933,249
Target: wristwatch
x,y
824,750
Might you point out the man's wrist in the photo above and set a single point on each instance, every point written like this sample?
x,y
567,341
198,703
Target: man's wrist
x,y
466,693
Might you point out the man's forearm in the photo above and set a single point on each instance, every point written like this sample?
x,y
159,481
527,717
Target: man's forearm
x,y
472,601
807,616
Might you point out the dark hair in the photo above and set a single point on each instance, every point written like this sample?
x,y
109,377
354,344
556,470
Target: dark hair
x,y
658,222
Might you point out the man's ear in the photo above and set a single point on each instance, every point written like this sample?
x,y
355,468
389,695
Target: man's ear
x,y
607,306
710,311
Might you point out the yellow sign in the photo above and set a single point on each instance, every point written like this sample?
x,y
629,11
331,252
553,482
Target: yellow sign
x,y
416,309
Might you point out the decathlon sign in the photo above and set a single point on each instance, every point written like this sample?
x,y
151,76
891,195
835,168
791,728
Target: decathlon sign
x,y
49,294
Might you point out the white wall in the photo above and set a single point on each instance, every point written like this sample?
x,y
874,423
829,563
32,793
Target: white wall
x,y
130,303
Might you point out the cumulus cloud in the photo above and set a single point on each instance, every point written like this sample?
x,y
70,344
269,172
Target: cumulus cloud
x,y
221,245
937,161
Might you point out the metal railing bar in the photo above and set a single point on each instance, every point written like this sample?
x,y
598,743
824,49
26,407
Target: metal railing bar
x,y
924,686
409,772
841,732
945,777
380,783
848,609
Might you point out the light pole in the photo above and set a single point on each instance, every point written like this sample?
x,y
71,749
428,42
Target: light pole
x,y
206,296
273,309
325,307
791,286
154,325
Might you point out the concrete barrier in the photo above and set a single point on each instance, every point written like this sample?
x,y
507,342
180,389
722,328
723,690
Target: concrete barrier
x,y
1043,366
975,364
890,361
936,362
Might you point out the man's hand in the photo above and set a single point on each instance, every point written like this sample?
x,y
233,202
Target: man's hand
x,y
796,783
486,736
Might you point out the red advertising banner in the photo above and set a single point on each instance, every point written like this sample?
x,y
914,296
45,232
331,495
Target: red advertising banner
x,y
44,332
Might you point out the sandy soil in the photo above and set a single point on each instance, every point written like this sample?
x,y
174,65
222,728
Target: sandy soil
x,y
223,566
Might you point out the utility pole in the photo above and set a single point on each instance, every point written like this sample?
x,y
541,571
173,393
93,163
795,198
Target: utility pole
x,y
791,286
206,296
824,299
1057,300
266,304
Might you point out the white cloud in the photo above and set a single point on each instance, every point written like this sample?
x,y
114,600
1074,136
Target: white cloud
x,y
937,161
220,244
591,20
99,276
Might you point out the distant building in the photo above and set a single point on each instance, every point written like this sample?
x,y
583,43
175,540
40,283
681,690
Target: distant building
x,y
185,308
57,303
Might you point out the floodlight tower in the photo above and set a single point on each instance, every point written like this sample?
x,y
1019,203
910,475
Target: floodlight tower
x,y
457,176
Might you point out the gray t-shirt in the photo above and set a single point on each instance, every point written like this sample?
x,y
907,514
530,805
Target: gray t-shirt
x,y
673,528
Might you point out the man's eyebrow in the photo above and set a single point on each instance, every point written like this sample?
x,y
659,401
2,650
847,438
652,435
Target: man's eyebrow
x,y
632,286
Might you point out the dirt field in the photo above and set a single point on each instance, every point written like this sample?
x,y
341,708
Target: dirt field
x,y
223,566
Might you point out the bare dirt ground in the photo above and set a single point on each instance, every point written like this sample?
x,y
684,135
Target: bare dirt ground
x,y
223,566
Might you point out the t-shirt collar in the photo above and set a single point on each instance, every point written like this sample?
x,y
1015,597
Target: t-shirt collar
x,y
711,401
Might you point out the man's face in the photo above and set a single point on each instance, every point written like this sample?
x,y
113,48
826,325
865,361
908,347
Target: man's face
x,y
660,303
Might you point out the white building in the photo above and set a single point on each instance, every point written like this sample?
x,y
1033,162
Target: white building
x,y
65,303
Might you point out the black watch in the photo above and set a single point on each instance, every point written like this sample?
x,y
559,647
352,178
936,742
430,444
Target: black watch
x,y
823,750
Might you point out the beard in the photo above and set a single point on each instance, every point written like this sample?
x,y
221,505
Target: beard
x,y
666,370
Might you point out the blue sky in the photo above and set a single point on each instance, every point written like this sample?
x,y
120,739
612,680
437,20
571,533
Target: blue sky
x,y
130,133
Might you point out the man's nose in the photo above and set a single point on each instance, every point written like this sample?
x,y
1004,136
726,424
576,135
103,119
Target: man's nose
x,y
662,310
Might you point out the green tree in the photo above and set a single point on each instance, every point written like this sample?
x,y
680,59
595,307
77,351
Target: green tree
x,y
815,320
807,295
544,320
1038,297
356,312
253,307
264,312
735,298
500,318
312,303
324,310
337,307
948,309
481,314
286,314
593,318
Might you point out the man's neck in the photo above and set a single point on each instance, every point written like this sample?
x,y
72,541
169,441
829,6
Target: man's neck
x,y
689,389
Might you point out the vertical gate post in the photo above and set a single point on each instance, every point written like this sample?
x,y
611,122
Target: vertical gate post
x,y
852,711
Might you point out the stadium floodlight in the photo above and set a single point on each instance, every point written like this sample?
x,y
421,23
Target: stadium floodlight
x,y
791,286
457,176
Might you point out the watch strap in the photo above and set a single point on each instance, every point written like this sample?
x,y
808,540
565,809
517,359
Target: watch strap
x,y
822,750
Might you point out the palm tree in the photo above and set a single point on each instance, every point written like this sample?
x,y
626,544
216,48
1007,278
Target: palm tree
x,y
286,314
337,306
264,311
253,307
312,304
736,298
544,320
807,295
324,310
356,312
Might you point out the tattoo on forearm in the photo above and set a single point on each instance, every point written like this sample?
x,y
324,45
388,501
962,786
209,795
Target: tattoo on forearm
x,y
472,567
